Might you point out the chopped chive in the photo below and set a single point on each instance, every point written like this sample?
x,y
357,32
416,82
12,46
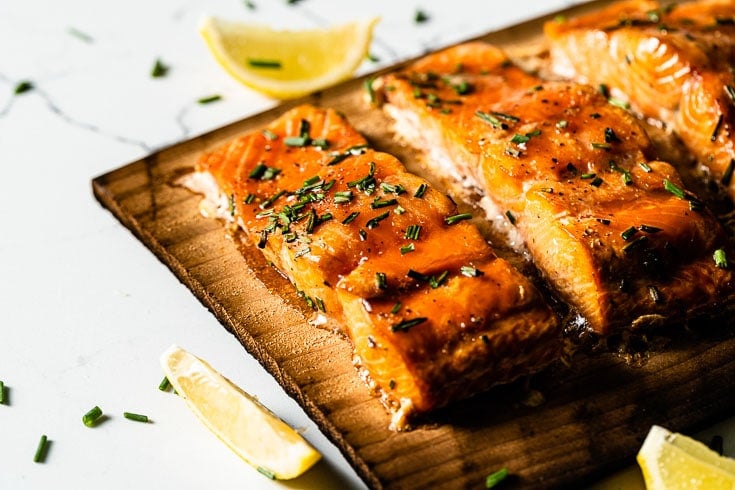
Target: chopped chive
x,y
562,124
407,248
588,176
159,69
495,478
363,234
382,203
82,36
342,197
368,85
649,229
674,189
510,217
727,176
372,57
268,202
396,308
374,222
392,384
597,182
92,416
507,117
249,199
417,276
435,282
136,417
320,143
311,221
421,190
329,184
2,393
720,258
611,136
302,252
268,473
730,91
420,17
646,168
349,219
271,64
270,135
320,304
263,239
655,294
405,325
165,384
628,234
623,104
604,221
519,139
462,88
392,188
381,280
491,119
604,90
23,87
399,210
450,220
413,232
469,271
41,450
209,99
601,146
296,141
231,205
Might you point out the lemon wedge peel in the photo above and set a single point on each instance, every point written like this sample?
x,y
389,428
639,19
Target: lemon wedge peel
x,y
286,64
238,419
673,461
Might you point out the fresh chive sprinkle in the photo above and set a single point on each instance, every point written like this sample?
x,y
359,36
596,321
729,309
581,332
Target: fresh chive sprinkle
x,y
604,221
363,234
372,57
720,258
342,197
374,222
82,36
730,91
296,141
271,64
655,294
588,176
231,205
469,271
263,239
269,202
413,232
417,275
381,280
519,139
510,217
270,135
41,450
495,478
135,416
405,325
268,473
628,234
603,89
450,220
649,229
392,188
420,17
601,146
407,248
159,69
368,85
435,282
462,88
23,87
727,176
2,393
165,384
717,128
396,308
392,384
491,119
507,117
421,190
382,203
623,104
320,304
209,99
349,219
597,182
646,168
90,418
674,189
311,221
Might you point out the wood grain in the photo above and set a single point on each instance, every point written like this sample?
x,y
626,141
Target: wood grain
x,y
596,412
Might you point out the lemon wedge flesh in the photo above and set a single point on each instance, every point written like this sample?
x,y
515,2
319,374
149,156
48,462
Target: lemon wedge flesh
x,y
251,430
674,461
287,64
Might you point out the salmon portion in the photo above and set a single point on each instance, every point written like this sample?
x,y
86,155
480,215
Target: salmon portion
x,y
433,314
612,230
673,64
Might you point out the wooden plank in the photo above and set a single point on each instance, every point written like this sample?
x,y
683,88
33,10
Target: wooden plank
x,y
596,412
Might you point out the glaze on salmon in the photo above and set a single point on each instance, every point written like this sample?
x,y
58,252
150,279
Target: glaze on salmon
x,y
432,313
671,63
611,229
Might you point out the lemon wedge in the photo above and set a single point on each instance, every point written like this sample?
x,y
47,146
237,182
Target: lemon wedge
x,y
674,461
288,64
252,431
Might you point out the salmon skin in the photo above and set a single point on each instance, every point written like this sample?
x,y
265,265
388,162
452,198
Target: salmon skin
x,y
613,231
433,314
671,63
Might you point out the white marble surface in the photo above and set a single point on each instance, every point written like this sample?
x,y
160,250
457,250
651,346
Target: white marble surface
x,y
86,308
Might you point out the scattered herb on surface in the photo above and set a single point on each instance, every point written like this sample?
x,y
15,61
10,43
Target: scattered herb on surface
x,y
493,479
23,86
159,69
136,417
209,99
92,416
40,455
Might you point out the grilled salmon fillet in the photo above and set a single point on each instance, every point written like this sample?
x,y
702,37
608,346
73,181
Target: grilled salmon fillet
x,y
433,314
612,230
671,63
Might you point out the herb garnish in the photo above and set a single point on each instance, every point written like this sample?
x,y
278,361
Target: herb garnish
x,y
23,87
510,217
374,222
649,229
450,220
610,136
407,248
368,84
135,416
491,119
381,281
269,64
495,478
396,308
270,135
628,234
266,472
413,232
646,168
209,99
165,384
337,157
349,219
469,271
720,258
342,197
727,176
92,416
635,244
268,202
601,146
717,128
405,325
159,69
365,184
41,450
420,17
382,203
421,190
730,91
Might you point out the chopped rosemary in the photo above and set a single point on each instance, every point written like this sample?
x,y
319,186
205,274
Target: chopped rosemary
x,y
407,248
469,271
23,86
136,417
450,220
366,183
374,222
421,190
269,64
349,219
209,99
413,232
727,175
270,135
41,450
511,218
311,221
495,478
266,472
159,69
165,384
405,325
720,258
604,90
628,234
396,308
92,416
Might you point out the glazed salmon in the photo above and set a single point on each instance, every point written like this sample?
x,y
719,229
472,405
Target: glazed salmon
x,y
612,230
433,314
671,63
